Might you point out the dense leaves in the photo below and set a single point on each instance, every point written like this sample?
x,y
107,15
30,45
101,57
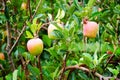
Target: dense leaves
x,y
70,56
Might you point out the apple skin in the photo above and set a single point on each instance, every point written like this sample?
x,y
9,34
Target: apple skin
x,y
24,6
51,27
2,57
90,29
35,46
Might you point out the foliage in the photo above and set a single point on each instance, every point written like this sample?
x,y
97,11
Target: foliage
x,y
69,57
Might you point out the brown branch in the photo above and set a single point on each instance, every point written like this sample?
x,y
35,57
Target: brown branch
x,y
8,28
118,18
52,6
63,66
40,1
1,67
115,48
29,8
101,77
40,68
13,46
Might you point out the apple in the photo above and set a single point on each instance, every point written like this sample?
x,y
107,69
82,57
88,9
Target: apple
x,y
35,46
90,29
51,28
24,6
2,57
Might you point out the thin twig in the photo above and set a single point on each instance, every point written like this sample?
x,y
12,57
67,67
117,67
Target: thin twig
x,y
63,66
8,28
115,48
1,67
40,1
52,9
40,68
13,46
29,8
85,43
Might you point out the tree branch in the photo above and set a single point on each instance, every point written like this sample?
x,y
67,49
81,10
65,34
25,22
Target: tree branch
x,y
101,77
29,8
40,1
108,61
63,66
8,28
40,68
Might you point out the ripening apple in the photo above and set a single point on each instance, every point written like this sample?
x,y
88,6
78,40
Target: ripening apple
x,y
90,29
2,57
35,46
24,6
51,28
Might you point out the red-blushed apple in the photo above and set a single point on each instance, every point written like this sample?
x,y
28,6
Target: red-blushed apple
x,y
51,27
24,6
35,46
90,29
2,57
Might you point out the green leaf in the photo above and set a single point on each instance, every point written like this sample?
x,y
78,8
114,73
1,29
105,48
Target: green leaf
x,y
34,21
15,75
76,4
109,28
87,59
34,70
101,58
8,77
50,17
52,52
29,34
27,56
95,60
33,28
46,40
21,73
55,73
39,16
57,34
60,14
115,72
83,75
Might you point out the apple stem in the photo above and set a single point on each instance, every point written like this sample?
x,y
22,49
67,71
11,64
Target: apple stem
x,y
85,20
85,44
